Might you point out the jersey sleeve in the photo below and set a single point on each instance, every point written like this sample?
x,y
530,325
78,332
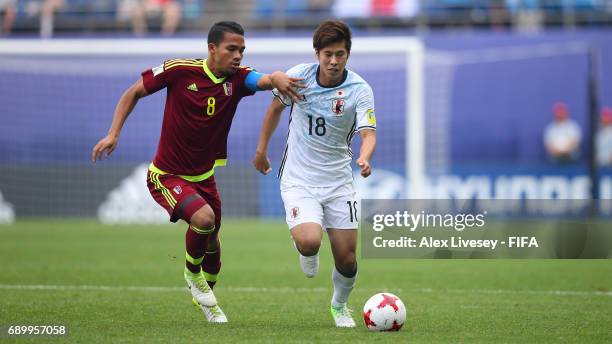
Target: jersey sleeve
x,y
294,72
156,78
366,117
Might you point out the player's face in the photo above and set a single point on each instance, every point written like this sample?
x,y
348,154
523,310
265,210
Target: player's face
x,y
228,54
332,60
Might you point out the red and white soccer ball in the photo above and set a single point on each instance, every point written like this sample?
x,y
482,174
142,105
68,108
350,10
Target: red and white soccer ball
x,y
384,312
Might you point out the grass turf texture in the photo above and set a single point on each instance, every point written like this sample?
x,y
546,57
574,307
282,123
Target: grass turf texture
x,y
454,301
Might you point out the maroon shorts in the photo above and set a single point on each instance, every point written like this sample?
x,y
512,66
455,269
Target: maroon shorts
x,y
181,198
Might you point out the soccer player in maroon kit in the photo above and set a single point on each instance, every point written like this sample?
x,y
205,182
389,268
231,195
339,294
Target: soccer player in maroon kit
x,y
202,96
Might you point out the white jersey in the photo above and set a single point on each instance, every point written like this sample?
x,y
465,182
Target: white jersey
x,y
321,127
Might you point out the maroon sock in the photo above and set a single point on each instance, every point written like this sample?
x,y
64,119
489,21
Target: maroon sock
x,y
212,262
195,245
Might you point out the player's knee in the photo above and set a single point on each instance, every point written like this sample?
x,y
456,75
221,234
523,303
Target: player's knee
x,y
347,265
203,219
309,246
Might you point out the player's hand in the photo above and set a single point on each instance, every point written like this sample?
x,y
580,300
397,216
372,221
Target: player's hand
x,y
107,144
262,163
365,167
287,86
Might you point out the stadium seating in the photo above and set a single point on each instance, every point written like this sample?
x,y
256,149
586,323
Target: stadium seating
x,y
80,15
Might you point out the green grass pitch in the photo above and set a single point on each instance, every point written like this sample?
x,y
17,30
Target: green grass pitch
x,y
124,284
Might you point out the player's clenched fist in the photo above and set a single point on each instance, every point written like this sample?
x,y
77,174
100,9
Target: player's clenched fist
x,y
262,163
365,167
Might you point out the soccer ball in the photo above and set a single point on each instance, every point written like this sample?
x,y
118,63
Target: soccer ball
x,y
384,312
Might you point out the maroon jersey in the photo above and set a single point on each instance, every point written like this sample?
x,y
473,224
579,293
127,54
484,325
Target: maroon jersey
x,y
198,115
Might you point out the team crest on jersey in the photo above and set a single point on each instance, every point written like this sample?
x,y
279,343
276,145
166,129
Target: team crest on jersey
x,y
338,106
227,87
177,190
295,212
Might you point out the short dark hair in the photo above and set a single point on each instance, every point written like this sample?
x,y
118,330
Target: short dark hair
x,y
217,31
330,32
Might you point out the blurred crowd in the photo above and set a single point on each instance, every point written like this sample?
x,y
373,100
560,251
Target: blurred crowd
x,y
168,16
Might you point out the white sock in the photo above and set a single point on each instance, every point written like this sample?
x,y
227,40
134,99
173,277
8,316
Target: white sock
x,y
342,287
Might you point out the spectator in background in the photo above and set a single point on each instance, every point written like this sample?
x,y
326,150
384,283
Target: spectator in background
x,y
527,14
321,7
562,137
499,17
47,14
9,7
192,9
138,11
604,138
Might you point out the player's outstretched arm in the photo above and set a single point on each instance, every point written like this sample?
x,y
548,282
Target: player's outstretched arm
x,y
286,85
124,107
368,145
270,122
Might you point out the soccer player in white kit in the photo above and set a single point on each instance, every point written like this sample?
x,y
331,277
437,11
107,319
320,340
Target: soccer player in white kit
x,y
316,175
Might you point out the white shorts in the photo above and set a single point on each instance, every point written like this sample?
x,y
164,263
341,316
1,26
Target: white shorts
x,y
329,207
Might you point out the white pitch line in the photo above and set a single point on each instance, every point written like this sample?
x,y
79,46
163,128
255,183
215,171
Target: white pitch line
x,y
304,290
522,292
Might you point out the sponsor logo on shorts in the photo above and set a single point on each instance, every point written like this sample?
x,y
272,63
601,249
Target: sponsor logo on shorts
x,y
295,212
177,190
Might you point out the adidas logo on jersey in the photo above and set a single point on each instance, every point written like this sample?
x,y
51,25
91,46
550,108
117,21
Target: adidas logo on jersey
x,y
192,87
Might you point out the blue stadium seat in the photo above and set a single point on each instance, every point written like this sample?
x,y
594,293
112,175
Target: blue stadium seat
x,y
90,9
193,9
296,7
265,9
